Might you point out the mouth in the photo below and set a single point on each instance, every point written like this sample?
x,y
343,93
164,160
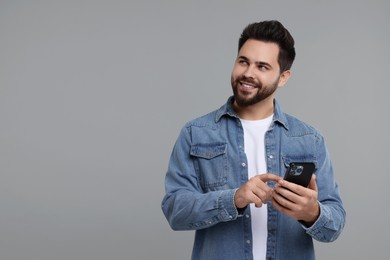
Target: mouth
x,y
247,85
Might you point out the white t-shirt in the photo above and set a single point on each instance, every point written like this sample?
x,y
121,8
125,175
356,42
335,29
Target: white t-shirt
x,y
254,133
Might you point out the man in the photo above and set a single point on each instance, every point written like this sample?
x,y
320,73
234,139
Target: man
x,y
225,174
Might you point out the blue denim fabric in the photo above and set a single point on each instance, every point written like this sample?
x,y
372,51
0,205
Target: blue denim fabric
x,y
208,164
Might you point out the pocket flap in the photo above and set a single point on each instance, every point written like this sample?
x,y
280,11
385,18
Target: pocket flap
x,y
208,151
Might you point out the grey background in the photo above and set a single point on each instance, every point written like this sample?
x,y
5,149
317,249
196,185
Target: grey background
x,y
93,95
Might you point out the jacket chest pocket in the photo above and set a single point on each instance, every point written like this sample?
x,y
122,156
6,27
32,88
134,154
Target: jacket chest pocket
x,y
210,162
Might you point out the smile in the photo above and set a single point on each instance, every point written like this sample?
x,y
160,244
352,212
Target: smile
x,y
247,86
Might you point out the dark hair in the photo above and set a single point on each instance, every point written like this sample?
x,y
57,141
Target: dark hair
x,y
272,31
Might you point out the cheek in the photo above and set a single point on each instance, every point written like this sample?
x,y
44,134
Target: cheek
x,y
235,74
232,77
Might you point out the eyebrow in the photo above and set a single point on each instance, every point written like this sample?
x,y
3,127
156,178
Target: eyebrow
x,y
258,63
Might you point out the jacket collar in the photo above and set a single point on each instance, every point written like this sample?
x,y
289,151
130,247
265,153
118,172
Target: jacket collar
x,y
227,110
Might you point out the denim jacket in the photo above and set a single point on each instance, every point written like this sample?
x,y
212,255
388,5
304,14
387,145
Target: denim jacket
x,y
208,164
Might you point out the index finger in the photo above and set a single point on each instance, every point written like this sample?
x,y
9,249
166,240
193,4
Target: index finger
x,y
269,177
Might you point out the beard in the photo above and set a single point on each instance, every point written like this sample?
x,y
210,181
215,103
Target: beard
x,y
246,98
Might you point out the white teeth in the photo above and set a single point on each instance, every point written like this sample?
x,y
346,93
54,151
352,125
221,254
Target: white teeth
x,y
247,86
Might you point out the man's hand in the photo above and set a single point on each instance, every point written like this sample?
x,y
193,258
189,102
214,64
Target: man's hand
x,y
296,201
255,191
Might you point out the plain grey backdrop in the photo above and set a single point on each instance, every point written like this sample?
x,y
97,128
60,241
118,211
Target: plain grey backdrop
x,y
93,95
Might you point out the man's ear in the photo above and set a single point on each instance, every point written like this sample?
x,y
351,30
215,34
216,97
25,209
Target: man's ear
x,y
283,78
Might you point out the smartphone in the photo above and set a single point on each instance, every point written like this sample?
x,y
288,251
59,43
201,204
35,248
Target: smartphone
x,y
300,173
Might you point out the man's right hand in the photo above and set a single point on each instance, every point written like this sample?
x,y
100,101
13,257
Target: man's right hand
x,y
255,190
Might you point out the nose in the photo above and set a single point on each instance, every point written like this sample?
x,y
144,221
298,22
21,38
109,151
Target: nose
x,y
249,71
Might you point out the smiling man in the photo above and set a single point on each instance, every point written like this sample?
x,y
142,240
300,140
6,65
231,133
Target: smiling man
x,y
256,76
225,174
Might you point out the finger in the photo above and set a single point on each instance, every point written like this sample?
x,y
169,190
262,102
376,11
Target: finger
x,y
257,201
281,201
268,177
263,194
286,194
313,183
259,204
277,206
295,188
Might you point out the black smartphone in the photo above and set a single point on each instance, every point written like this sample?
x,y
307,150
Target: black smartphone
x,y
300,173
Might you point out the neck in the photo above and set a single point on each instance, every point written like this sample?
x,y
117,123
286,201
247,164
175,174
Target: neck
x,y
258,111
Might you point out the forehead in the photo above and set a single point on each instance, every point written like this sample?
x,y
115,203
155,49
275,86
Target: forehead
x,y
260,51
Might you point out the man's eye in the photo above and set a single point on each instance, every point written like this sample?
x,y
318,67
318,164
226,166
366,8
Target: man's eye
x,y
262,67
243,62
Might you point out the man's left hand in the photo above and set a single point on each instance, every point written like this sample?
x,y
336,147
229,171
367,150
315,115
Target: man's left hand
x,y
298,202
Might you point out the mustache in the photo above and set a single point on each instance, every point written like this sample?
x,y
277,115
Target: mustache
x,y
248,80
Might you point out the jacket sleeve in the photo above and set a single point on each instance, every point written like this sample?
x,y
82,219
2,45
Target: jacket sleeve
x,y
185,205
332,217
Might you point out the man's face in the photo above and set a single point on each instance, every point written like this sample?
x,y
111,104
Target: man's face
x,y
256,73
